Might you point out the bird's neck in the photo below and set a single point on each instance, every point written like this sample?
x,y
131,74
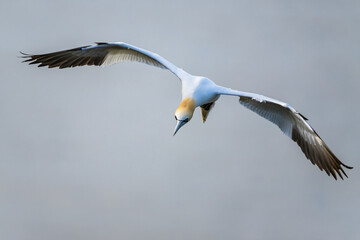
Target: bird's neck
x,y
187,106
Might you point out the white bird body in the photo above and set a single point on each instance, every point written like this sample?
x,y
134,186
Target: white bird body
x,y
201,92
201,89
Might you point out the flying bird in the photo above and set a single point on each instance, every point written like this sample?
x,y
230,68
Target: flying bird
x,y
198,91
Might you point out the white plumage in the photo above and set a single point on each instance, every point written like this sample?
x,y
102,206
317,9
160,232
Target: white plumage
x,y
201,92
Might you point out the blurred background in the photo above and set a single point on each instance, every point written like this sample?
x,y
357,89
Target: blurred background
x,y
88,153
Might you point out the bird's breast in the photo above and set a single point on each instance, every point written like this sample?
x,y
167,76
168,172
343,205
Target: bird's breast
x,y
201,90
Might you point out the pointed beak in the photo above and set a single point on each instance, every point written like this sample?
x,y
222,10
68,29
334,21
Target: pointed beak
x,y
179,124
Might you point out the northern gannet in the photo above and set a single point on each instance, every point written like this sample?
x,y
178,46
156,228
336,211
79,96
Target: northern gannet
x,y
198,91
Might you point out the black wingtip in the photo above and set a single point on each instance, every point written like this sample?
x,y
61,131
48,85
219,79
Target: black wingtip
x,y
28,58
340,174
348,167
24,55
334,175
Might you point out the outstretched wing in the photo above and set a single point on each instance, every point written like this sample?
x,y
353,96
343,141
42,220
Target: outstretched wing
x,y
295,126
101,54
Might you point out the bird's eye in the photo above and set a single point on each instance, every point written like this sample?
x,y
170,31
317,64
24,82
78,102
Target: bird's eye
x,y
176,118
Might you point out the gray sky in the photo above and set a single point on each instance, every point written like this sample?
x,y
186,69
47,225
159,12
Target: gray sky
x,y
88,153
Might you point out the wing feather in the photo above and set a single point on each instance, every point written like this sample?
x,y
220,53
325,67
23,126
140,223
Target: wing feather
x,y
101,54
295,126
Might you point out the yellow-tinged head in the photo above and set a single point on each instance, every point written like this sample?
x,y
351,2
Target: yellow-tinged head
x,y
184,113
